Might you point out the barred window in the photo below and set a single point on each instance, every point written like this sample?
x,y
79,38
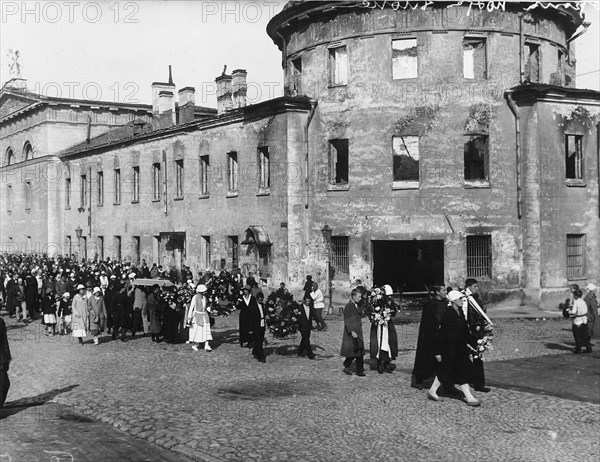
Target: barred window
x,y
340,259
479,256
575,255
9,198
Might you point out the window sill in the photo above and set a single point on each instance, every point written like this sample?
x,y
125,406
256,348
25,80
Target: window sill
x,y
338,187
264,192
337,85
116,203
135,202
27,210
576,278
572,183
232,194
99,205
9,212
404,79
178,198
67,208
156,200
477,184
203,196
397,185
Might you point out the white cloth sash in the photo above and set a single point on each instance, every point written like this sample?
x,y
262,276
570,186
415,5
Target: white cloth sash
x,y
383,339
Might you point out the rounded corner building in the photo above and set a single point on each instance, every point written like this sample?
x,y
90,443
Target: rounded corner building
x,y
446,142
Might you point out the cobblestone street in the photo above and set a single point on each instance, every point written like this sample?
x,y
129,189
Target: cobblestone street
x,y
224,405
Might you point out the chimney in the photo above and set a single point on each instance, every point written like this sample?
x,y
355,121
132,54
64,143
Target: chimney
x,y
166,109
187,103
157,88
224,97
239,87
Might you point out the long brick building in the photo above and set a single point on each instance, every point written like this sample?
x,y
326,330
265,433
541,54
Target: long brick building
x,y
436,144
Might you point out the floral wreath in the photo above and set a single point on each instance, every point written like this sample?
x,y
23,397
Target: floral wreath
x,y
483,334
379,308
282,315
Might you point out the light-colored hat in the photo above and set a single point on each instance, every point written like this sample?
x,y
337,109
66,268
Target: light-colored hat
x,y
66,295
201,289
80,286
591,287
131,275
455,295
96,289
387,289
189,281
113,276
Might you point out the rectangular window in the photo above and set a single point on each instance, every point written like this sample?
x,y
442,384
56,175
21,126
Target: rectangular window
x,y
136,184
532,66
338,66
404,58
476,157
295,87
560,70
136,250
205,251
574,157
338,161
83,191
232,171
474,58
117,185
179,178
117,253
264,168
68,246
100,187
233,250
575,255
100,241
479,256
204,166
406,158
68,193
9,200
340,260
156,182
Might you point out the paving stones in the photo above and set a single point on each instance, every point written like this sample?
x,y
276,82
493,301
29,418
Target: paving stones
x,y
224,405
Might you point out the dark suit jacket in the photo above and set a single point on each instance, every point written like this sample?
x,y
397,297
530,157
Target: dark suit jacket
x,y
305,324
254,316
352,323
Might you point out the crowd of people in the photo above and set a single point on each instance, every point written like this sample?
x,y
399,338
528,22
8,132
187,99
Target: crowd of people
x,y
85,299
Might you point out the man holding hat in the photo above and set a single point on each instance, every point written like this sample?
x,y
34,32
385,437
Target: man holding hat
x,y
198,320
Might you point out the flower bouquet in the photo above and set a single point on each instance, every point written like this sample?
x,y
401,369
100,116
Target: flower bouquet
x,y
483,334
221,295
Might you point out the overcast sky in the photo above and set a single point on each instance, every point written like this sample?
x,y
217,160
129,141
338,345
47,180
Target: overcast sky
x,y
114,50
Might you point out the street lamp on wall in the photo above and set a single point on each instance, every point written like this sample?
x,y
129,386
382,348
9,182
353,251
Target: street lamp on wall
x,y
327,231
78,233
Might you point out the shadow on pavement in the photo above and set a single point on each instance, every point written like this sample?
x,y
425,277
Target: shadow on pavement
x,y
20,405
558,346
567,376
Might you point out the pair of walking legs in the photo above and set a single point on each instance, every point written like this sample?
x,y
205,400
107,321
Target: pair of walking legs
x,y
464,387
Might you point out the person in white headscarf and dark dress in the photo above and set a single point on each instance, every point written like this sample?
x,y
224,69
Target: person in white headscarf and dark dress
x,y
383,337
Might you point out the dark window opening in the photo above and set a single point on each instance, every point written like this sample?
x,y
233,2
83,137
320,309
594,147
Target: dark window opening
x,y
338,161
476,157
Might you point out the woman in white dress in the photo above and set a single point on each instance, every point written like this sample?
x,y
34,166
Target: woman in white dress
x,y
79,314
198,320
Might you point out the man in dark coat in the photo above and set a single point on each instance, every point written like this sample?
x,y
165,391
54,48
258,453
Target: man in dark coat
x,y
5,360
12,292
472,289
257,323
352,339
122,313
307,315
245,306
32,295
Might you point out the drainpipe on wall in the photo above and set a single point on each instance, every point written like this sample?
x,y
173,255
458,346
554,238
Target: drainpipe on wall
x,y
313,107
164,161
90,204
513,108
521,46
